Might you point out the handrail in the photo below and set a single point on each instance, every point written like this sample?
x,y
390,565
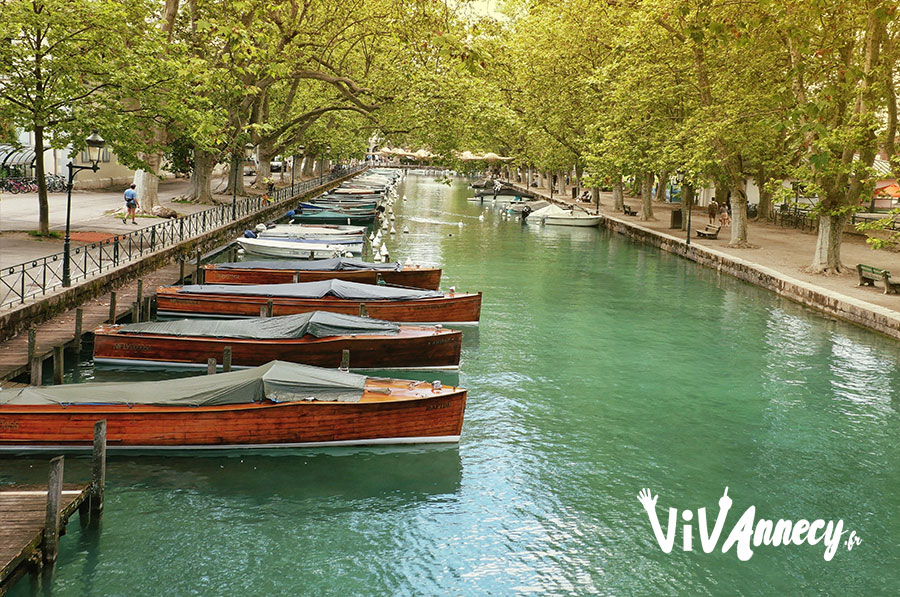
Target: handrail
x,y
44,274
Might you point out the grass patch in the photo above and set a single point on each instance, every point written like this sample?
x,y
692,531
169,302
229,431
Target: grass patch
x,y
39,236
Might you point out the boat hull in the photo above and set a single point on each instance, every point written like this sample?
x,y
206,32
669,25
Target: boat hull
x,y
413,347
586,222
435,418
273,247
426,278
457,308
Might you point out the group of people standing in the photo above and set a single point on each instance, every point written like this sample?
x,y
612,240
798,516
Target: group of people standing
x,y
721,211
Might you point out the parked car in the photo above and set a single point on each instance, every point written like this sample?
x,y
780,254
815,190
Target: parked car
x,y
276,165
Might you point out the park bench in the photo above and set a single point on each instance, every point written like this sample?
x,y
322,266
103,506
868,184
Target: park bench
x,y
869,274
710,231
628,211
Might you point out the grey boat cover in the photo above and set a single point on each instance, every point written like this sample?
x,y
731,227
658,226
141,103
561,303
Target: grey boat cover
x,y
325,288
276,381
324,265
318,323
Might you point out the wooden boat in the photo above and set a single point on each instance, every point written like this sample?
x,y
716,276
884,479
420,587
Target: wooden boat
x,y
360,209
317,338
298,247
277,405
296,270
332,217
390,303
572,219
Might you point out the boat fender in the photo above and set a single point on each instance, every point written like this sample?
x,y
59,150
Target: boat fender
x,y
291,213
249,234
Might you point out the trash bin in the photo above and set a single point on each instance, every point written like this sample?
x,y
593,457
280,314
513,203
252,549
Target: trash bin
x,y
676,219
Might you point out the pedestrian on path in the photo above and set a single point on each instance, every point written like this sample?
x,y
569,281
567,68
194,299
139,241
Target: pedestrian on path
x,y
130,203
712,211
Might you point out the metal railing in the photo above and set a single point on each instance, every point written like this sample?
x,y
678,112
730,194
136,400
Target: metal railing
x,y
40,276
804,218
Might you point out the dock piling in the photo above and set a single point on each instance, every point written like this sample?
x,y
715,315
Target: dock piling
x,y
345,359
140,291
51,522
363,310
79,324
112,307
32,339
135,312
262,310
145,310
98,469
226,359
210,366
181,270
58,362
37,366
197,279
270,308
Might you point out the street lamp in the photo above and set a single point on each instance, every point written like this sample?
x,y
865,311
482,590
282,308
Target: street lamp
x,y
95,145
688,205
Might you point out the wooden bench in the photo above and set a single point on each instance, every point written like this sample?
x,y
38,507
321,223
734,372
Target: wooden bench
x,y
628,211
869,274
710,231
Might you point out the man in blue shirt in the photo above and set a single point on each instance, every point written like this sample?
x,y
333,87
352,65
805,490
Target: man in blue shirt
x,y
130,203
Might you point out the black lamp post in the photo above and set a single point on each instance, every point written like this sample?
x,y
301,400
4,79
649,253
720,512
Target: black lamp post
x,y
95,145
688,205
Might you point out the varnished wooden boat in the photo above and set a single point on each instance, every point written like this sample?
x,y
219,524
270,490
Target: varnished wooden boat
x,y
256,272
245,301
385,411
413,347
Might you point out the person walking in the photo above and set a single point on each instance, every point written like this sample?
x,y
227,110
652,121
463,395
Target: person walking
x,y
712,211
131,204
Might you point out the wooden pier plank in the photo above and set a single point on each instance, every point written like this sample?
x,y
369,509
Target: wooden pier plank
x,y
23,510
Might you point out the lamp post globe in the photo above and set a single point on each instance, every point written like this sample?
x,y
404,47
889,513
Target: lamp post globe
x,y
95,144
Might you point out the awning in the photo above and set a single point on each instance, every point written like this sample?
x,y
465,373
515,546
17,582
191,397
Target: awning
x,y
17,156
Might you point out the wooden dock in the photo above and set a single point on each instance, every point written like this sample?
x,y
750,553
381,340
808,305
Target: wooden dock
x,y
16,357
32,518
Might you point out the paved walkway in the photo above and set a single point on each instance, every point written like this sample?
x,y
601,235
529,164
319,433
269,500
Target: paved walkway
x,y
786,250
91,218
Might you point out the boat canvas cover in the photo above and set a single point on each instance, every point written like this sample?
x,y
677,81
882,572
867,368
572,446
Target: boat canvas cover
x,y
276,381
323,265
320,324
333,288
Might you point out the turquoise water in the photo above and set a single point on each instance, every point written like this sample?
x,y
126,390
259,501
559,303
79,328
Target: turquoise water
x,y
600,367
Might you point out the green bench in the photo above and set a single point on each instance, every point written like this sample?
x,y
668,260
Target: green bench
x,y
711,232
869,274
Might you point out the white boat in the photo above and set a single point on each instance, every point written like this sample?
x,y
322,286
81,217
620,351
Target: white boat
x,y
272,247
306,231
553,215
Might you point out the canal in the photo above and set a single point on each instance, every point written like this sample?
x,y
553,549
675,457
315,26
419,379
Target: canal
x,y
600,367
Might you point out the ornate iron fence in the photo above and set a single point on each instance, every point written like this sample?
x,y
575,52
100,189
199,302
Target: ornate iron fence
x,y
40,276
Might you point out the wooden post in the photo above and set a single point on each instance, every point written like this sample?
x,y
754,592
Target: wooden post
x,y
32,336
58,364
226,359
363,311
140,291
51,521
79,321
98,469
197,279
296,277
181,270
262,310
345,359
135,312
270,308
145,311
37,366
112,307
210,366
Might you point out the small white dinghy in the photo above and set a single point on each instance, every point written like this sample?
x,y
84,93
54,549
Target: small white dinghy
x,y
553,215
286,247
306,231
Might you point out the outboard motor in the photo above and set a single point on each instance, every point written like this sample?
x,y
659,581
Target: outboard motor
x,y
525,212
249,234
261,228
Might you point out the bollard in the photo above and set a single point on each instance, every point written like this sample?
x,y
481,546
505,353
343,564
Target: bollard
x,y
50,542
210,366
345,360
226,359
112,307
98,469
58,364
32,340
37,369
270,308
79,320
